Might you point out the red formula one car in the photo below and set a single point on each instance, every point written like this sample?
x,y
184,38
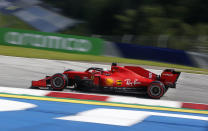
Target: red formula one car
x,y
127,78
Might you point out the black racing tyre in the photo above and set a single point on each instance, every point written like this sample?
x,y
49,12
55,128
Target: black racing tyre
x,y
156,90
59,82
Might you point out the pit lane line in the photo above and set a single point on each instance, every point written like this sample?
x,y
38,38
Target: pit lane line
x,y
105,103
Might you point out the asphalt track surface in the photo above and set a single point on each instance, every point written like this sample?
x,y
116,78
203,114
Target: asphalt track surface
x,y
19,72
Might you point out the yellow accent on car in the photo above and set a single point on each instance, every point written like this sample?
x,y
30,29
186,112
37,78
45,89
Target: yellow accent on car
x,y
109,82
119,82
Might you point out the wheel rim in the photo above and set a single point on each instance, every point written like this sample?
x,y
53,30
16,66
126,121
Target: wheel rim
x,y
155,90
58,82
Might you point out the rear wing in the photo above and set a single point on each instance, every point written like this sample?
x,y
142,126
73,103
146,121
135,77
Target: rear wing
x,y
169,77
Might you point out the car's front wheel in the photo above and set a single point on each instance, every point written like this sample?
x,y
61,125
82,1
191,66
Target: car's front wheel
x,y
59,82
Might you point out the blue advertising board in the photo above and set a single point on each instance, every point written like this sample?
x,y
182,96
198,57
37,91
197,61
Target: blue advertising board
x,y
167,55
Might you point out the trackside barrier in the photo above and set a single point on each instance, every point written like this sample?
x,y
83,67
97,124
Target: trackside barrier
x,y
201,60
154,54
51,41
97,46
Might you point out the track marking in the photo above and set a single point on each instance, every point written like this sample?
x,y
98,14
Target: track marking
x,y
23,91
108,116
105,103
8,105
121,117
150,102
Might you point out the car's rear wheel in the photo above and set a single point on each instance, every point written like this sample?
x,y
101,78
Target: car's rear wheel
x,y
59,82
156,90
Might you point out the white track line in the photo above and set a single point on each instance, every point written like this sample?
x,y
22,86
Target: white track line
x,y
8,105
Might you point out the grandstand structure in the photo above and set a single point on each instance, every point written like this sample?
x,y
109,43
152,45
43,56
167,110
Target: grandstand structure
x,y
33,13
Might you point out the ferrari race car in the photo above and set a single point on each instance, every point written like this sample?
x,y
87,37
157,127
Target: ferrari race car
x,y
127,78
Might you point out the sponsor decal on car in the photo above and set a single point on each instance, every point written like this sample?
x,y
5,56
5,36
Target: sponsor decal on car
x,y
92,77
109,82
119,82
150,75
130,82
168,74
